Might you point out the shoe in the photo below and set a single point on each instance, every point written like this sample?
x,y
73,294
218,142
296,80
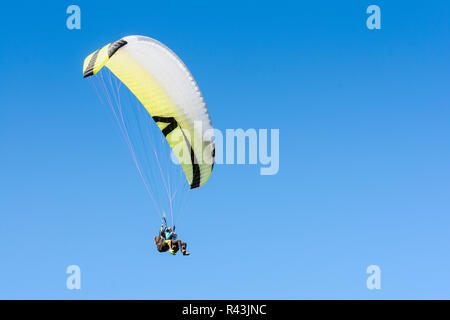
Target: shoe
x,y
172,252
185,253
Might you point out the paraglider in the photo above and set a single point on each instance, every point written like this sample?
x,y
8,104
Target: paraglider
x,y
161,91
167,240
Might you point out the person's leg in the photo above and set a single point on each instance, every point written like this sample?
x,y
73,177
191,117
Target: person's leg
x,y
164,246
176,245
183,247
173,247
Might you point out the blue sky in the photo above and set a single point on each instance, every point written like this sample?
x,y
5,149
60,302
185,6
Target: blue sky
x,y
364,153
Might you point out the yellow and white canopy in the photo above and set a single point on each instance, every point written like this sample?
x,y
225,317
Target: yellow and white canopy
x,y
167,90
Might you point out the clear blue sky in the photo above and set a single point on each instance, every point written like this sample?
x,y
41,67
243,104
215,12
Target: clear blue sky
x,y
364,153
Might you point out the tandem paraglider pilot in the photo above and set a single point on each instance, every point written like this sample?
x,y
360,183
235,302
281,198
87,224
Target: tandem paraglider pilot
x,y
167,240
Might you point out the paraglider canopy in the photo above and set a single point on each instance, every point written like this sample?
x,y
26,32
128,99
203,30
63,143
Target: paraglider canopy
x,y
169,93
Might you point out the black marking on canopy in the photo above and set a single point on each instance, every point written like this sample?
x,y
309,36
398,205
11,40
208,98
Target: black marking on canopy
x,y
114,46
90,67
213,154
172,124
195,167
